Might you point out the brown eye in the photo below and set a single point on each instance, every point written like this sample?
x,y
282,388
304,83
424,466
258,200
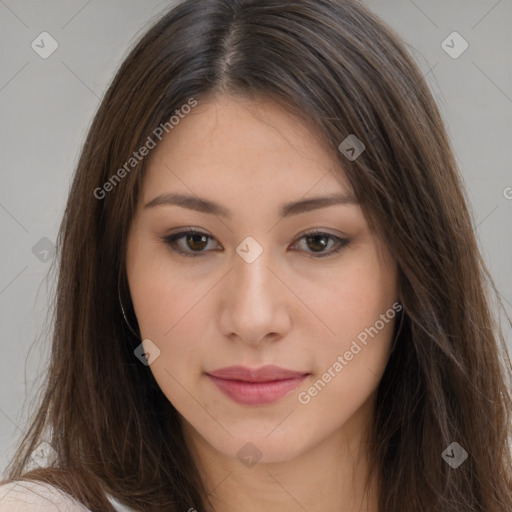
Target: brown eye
x,y
194,242
317,242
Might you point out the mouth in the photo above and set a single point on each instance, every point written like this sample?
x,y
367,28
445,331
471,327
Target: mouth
x,y
256,386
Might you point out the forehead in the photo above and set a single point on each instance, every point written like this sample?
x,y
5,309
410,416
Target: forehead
x,y
233,143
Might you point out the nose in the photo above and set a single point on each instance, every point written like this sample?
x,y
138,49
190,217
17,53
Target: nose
x,y
256,305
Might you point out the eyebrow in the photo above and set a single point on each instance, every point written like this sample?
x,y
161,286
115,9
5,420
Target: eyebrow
x,y
206,206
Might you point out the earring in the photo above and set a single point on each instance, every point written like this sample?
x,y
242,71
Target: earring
x,y
399,327
122,310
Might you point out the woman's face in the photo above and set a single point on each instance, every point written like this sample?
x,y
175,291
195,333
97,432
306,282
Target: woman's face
x,y
257,286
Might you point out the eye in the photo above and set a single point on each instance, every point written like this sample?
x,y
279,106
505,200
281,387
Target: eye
x,y
318,241
195,243
195,240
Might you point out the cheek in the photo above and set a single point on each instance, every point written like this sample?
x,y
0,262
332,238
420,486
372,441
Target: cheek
x,y
360,314
355,296
161,295
172,311
171,314
351,363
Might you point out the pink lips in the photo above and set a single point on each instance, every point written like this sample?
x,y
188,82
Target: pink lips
x,y
255,386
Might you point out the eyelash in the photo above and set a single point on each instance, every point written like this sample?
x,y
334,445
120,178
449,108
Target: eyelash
x,y
171,242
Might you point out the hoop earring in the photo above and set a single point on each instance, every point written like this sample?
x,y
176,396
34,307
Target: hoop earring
x,y
402,314
122,310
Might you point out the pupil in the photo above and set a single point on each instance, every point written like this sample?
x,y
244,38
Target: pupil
x,y
194,237
320,245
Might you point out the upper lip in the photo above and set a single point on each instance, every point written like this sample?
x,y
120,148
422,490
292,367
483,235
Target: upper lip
x,y
263,374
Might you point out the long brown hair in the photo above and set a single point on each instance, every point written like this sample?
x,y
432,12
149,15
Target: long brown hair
x,y
341,69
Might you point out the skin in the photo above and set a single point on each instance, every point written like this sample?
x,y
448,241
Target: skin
x,y
287,308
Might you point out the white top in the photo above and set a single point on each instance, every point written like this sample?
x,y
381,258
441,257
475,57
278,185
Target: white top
x,y
21,496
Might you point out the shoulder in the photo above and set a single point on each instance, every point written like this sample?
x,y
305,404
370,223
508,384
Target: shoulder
x,y
36,496
31,496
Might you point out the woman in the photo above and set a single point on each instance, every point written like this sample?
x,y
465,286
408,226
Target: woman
x,y
269,284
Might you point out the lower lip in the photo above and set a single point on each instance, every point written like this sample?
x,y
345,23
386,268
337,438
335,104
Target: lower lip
x,y
256,393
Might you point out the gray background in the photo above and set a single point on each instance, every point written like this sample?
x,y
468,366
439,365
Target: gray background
x,y
47,105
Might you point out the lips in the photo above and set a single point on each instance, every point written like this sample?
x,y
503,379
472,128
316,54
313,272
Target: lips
x,y
267,373
256,386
